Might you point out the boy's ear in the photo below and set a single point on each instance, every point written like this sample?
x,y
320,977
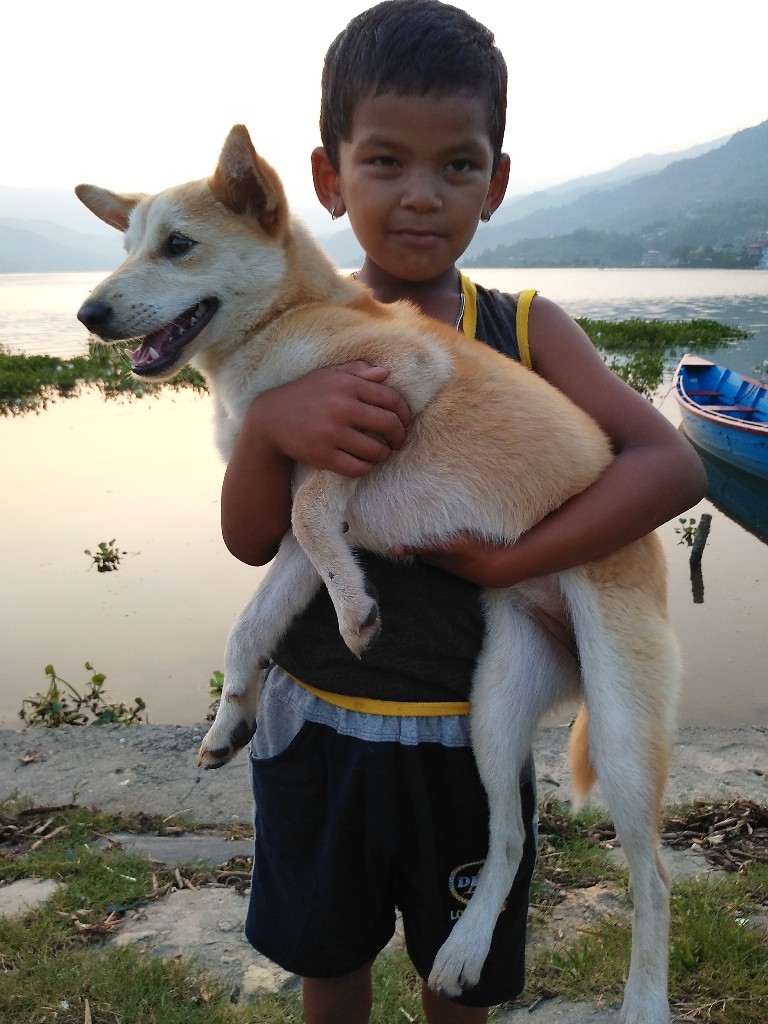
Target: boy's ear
x,y
497,187
327,183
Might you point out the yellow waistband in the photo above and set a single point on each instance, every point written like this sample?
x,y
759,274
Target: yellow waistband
x,y
398,708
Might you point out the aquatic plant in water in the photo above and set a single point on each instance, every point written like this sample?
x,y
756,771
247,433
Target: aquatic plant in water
x,y
62,704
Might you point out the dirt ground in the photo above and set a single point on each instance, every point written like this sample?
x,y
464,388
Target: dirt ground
x,y
153,768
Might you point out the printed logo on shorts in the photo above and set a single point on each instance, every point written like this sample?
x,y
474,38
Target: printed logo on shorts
x,y
462,883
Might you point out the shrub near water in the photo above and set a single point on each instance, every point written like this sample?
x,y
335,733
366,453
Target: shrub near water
x,y
29,383
62,704
636,349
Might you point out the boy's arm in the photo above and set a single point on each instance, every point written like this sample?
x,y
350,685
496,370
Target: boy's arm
x,y
324,420
655,476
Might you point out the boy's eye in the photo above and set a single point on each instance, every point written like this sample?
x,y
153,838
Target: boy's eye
x,y
462,166
383,161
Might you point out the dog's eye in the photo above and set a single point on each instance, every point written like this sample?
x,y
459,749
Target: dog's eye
x,y
179,245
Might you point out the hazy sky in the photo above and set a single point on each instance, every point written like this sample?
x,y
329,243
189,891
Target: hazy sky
x,y
140,95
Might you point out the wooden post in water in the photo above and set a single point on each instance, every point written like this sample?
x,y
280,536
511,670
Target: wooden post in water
x,y
702,532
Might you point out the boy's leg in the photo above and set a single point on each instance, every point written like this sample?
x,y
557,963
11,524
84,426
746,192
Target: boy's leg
x,y
442,1011
333,1000
350,999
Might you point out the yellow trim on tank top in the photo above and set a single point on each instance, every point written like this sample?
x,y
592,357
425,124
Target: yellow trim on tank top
x,y
524,300
396,708
469,321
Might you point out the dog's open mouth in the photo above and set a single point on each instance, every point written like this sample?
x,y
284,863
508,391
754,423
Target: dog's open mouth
x,y
160,350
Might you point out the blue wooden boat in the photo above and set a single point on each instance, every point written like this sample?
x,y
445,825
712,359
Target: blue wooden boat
x,y
724,413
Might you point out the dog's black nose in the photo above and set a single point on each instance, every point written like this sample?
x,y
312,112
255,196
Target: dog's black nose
x,y
94,314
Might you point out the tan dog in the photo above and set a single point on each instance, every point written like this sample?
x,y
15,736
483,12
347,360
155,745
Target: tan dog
x,y
219,274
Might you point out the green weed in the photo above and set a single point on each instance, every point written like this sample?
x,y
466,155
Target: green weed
x,y
62,704
215,686
106,557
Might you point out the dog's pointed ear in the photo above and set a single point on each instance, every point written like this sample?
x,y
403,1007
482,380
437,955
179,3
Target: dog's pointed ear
x,y
246,184
112,208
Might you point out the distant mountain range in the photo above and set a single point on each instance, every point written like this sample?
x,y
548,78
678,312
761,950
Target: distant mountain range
x,y
703,206
708,209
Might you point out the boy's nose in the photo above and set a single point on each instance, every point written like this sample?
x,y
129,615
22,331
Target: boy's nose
x,y
421,193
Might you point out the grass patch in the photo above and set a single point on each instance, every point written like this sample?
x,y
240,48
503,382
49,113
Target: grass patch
x,y
124,986
718,958
718,932
54,959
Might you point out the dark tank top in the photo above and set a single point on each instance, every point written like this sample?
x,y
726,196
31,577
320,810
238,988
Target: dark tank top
x,y
432,622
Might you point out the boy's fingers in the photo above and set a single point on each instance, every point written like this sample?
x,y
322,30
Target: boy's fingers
x,y
367,371
362,446
370,388
382,397
385,423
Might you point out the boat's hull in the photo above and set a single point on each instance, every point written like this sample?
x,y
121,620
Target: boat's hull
x,y
738,447
724,413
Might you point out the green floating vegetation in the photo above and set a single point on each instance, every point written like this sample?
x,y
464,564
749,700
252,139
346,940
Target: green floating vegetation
x,y
636,349
30,383
634,336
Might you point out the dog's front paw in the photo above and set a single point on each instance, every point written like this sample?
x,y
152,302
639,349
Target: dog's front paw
x,y
363,634
455,969
360,627
223,741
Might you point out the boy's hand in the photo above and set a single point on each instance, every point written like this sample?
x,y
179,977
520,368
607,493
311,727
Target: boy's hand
x,y
466,556
484,563
326,419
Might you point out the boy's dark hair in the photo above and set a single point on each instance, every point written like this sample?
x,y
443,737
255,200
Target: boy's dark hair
x,y
411,46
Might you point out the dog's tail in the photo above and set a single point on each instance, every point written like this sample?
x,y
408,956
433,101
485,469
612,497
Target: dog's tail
x,y
583,774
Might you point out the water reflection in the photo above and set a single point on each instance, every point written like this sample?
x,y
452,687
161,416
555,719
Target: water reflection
x,y
741,496
146,473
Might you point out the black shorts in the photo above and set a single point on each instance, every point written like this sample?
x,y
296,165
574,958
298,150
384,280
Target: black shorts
x,y
347,830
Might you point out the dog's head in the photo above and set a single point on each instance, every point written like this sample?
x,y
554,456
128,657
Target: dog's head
x,y
204,260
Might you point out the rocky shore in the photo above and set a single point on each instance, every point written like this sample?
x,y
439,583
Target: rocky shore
x,y
153,768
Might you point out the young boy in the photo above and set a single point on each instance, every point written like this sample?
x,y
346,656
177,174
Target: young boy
x,y
367,797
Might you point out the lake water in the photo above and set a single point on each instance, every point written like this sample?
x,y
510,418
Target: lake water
x,y
146,474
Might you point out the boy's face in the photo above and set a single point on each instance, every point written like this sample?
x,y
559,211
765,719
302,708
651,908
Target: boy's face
x,y
415,177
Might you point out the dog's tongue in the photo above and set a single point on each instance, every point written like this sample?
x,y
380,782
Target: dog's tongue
x,y
151,349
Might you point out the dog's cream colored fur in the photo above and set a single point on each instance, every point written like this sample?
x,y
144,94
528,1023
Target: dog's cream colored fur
x,y
492,449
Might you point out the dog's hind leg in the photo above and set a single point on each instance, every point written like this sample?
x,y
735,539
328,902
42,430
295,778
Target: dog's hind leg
x,y
521,673
630,670
284,593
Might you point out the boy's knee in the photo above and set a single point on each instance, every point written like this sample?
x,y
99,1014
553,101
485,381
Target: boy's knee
x,y
442,1011
348,998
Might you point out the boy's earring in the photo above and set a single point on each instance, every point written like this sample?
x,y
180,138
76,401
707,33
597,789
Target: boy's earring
x,y
334,215
485,216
